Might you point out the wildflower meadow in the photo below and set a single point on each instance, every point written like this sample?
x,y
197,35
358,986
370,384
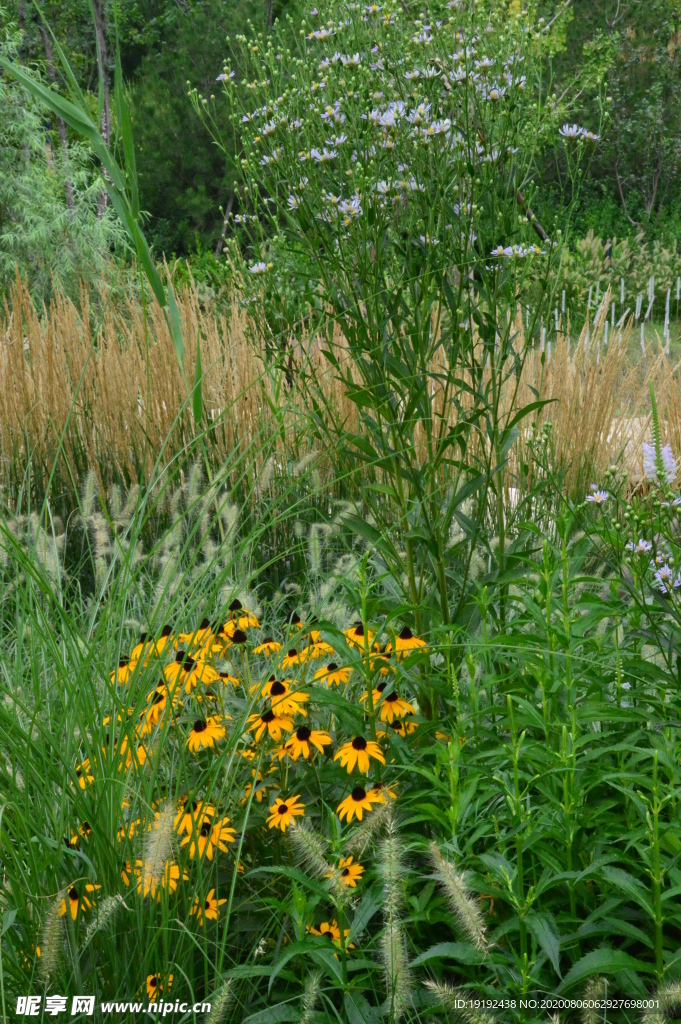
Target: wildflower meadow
x,y
340,604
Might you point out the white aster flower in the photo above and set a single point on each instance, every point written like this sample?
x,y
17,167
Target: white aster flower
x,y
598,497
260,267
571,131
351,62
293,202
641,547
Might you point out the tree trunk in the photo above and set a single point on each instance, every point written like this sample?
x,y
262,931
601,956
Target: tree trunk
x,y
63,137
98,7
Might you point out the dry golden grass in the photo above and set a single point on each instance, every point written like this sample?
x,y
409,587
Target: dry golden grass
x,y
61,379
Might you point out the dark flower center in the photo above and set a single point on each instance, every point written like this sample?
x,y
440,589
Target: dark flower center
x,y
124,660
158,698
152,982
391,697
358,629
276,689
238,636
268,640
406,634
267,716
282,809
204,624
293,653
359,743
396,725
73,894
209,695
345,872
236,605
205,829
86,826
167,630
303,733
180,656
358,794
332,666
143,637
207,905
294,618
199,726
381,687
78,772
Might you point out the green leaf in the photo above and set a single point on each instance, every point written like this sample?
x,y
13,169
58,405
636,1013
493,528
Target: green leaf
x,y
602,961
462,952
175,325
544,929
358,1009
273,1014
627,884
197,396
8,920
308,946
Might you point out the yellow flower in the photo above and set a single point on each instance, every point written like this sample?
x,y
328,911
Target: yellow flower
x,y
358,752
355,804
406,642
200,641
284,812
331,929
77,900
156,986
356,638
84,773
291,658
149,883
207,910
303,738
349,872
126,871
229,680
378,791
294,622
240,617
273,723
209,836
125,669
267,647
190,812
205,734
316,650
380,662
394,706
400,726
332,675
261,790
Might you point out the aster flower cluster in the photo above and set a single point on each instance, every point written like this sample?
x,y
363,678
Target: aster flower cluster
x,y
231,685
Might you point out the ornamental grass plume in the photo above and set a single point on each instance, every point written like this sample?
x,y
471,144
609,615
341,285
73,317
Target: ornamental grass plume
x,y
596,989
158,847
369,829
669,999
393,946
310,848
465,907
313,987
452,998
106,911
219,1003
50,941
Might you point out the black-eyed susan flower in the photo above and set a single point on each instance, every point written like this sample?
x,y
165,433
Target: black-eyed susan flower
x,y
84,773
209,836
285,812
121,675
405,643
294,622
332,675
355,804
380,660
318,649
193,672
291,659
205,733
208,909
242,617
356,637
191,811
267,647
200,641
123,754
78,899
228,679
348,872
261,788
284,700
379,791
157,985
393,706
358,752
304,738
128,830
152,882
126,872
331,929
267,720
